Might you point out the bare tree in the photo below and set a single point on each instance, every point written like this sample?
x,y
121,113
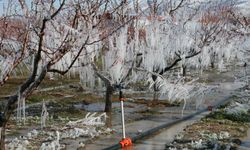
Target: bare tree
x,y
57,33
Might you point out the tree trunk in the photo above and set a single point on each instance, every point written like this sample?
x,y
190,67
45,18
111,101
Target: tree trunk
x,y
212,65
108,101
155,99
1,131
25,89
5,118
213,60
184,71
155,96
108,122
2,141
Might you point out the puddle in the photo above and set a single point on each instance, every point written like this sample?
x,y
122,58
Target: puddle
x,y
99,107
231,86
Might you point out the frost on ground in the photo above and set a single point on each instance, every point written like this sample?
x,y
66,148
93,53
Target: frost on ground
x,y
89,127
213,135
222,129
238,108
242,104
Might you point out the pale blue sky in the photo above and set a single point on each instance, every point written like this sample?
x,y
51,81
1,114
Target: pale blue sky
x,y
245,5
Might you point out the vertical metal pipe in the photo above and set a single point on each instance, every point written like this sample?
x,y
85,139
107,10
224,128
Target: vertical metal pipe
x,y
123,121
122,114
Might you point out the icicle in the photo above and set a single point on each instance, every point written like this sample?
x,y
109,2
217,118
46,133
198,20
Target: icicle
x,y
99,81
44,115
221,65
21,109
57,137
18,108
184,106
200,99
246,76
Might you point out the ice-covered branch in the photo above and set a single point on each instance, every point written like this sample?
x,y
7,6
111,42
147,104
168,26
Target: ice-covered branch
x,y
62,72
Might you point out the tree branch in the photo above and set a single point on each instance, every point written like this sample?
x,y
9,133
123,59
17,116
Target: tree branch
x,y
72,63
36,59
102,77
176,62
177,7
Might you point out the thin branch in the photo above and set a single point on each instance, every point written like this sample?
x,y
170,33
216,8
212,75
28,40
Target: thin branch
x,y
102,77
176,62
72,63
36,59
150,72
111,33
58,10
177,7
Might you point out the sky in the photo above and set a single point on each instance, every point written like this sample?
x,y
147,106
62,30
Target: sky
x,y
1,5
4,3
245,5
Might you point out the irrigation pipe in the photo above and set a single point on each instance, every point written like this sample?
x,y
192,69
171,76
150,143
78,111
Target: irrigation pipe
x,y
169,124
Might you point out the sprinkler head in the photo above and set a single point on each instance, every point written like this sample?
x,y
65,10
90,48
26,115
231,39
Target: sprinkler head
x,y
119,86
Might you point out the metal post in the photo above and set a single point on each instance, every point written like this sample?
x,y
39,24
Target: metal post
x,y
122,115
123,121
125,142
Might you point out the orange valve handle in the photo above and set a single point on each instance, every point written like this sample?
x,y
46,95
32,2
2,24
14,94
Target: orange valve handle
x,y
122,99
126,142
210,108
